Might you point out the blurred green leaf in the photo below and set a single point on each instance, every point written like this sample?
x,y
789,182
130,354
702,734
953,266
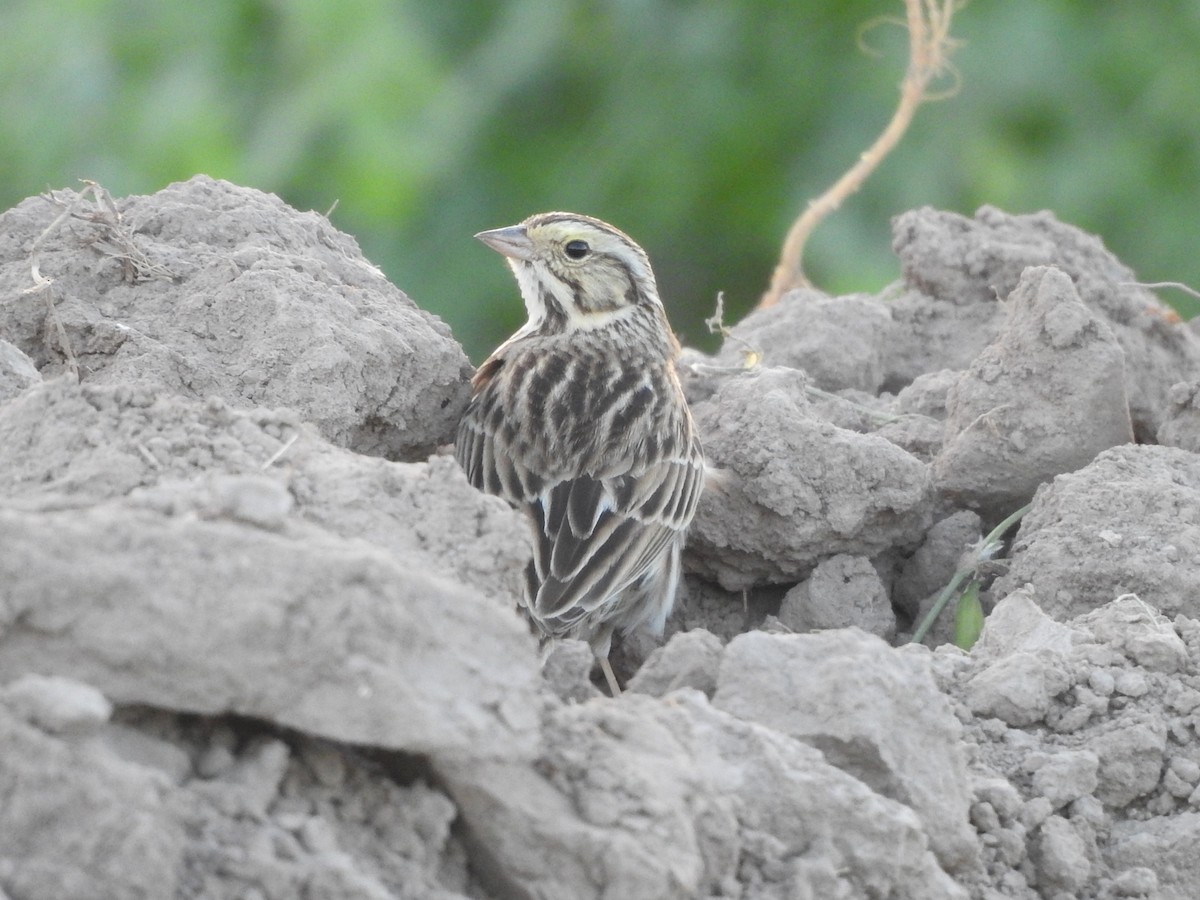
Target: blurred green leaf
x,y
968,617
701,128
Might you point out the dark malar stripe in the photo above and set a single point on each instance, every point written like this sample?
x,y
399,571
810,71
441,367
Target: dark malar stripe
x,y
556,316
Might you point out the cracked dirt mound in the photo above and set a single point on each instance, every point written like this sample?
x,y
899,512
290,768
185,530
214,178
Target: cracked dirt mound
x,y
256,641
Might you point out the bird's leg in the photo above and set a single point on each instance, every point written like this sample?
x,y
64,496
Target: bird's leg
x,y
610,677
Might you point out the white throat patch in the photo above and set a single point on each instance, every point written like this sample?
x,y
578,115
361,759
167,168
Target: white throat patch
x,y
531,286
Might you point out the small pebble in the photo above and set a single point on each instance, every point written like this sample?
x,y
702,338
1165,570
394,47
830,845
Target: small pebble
x,y
327,764
1136,882
254,499
1158,651
55,704
1102,682
1014,884
1036,812
1182,699
1088,809
1132,683
290,820
1176,786
1061,857
1085,696
146,749
1035,760
993,729
214,761
984,818
1001,796
1070,720
1161,805
285,845
1018,739
1010,845
1187,769
1066,776
317,837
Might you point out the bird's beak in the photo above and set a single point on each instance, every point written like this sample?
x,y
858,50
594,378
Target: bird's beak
x,y
513,241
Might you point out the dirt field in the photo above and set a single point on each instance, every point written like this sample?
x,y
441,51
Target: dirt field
x,y
257,636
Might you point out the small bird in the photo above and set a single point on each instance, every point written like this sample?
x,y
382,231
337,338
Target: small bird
x,y
579,419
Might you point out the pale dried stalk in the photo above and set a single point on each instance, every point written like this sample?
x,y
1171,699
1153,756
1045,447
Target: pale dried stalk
x,y
1152,285
45,286
115,240
928,23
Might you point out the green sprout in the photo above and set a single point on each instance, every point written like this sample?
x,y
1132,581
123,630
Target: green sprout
x,y
968,610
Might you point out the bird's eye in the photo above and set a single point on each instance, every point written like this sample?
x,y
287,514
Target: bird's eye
x,y
577,249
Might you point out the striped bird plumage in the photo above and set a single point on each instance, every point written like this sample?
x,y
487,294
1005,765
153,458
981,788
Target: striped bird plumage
x,y
580,420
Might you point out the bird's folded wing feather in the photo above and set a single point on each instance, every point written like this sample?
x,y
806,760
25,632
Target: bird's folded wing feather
x,y
491,469
596,536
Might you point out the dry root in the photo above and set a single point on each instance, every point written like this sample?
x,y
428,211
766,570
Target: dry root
x,y
930,45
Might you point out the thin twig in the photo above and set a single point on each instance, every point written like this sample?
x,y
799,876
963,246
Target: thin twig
x,y
45,286
148,456
115,240
68,210
928,23
278,454
716,325
64,343
1177,285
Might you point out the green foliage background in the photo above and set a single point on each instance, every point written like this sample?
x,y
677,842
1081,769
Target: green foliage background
x,y
701,127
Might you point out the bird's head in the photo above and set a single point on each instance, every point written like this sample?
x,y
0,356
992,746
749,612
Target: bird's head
x,y
575,272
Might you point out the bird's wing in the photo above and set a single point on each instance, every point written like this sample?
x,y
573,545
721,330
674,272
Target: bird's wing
x,y
489,465
596,536
492,470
